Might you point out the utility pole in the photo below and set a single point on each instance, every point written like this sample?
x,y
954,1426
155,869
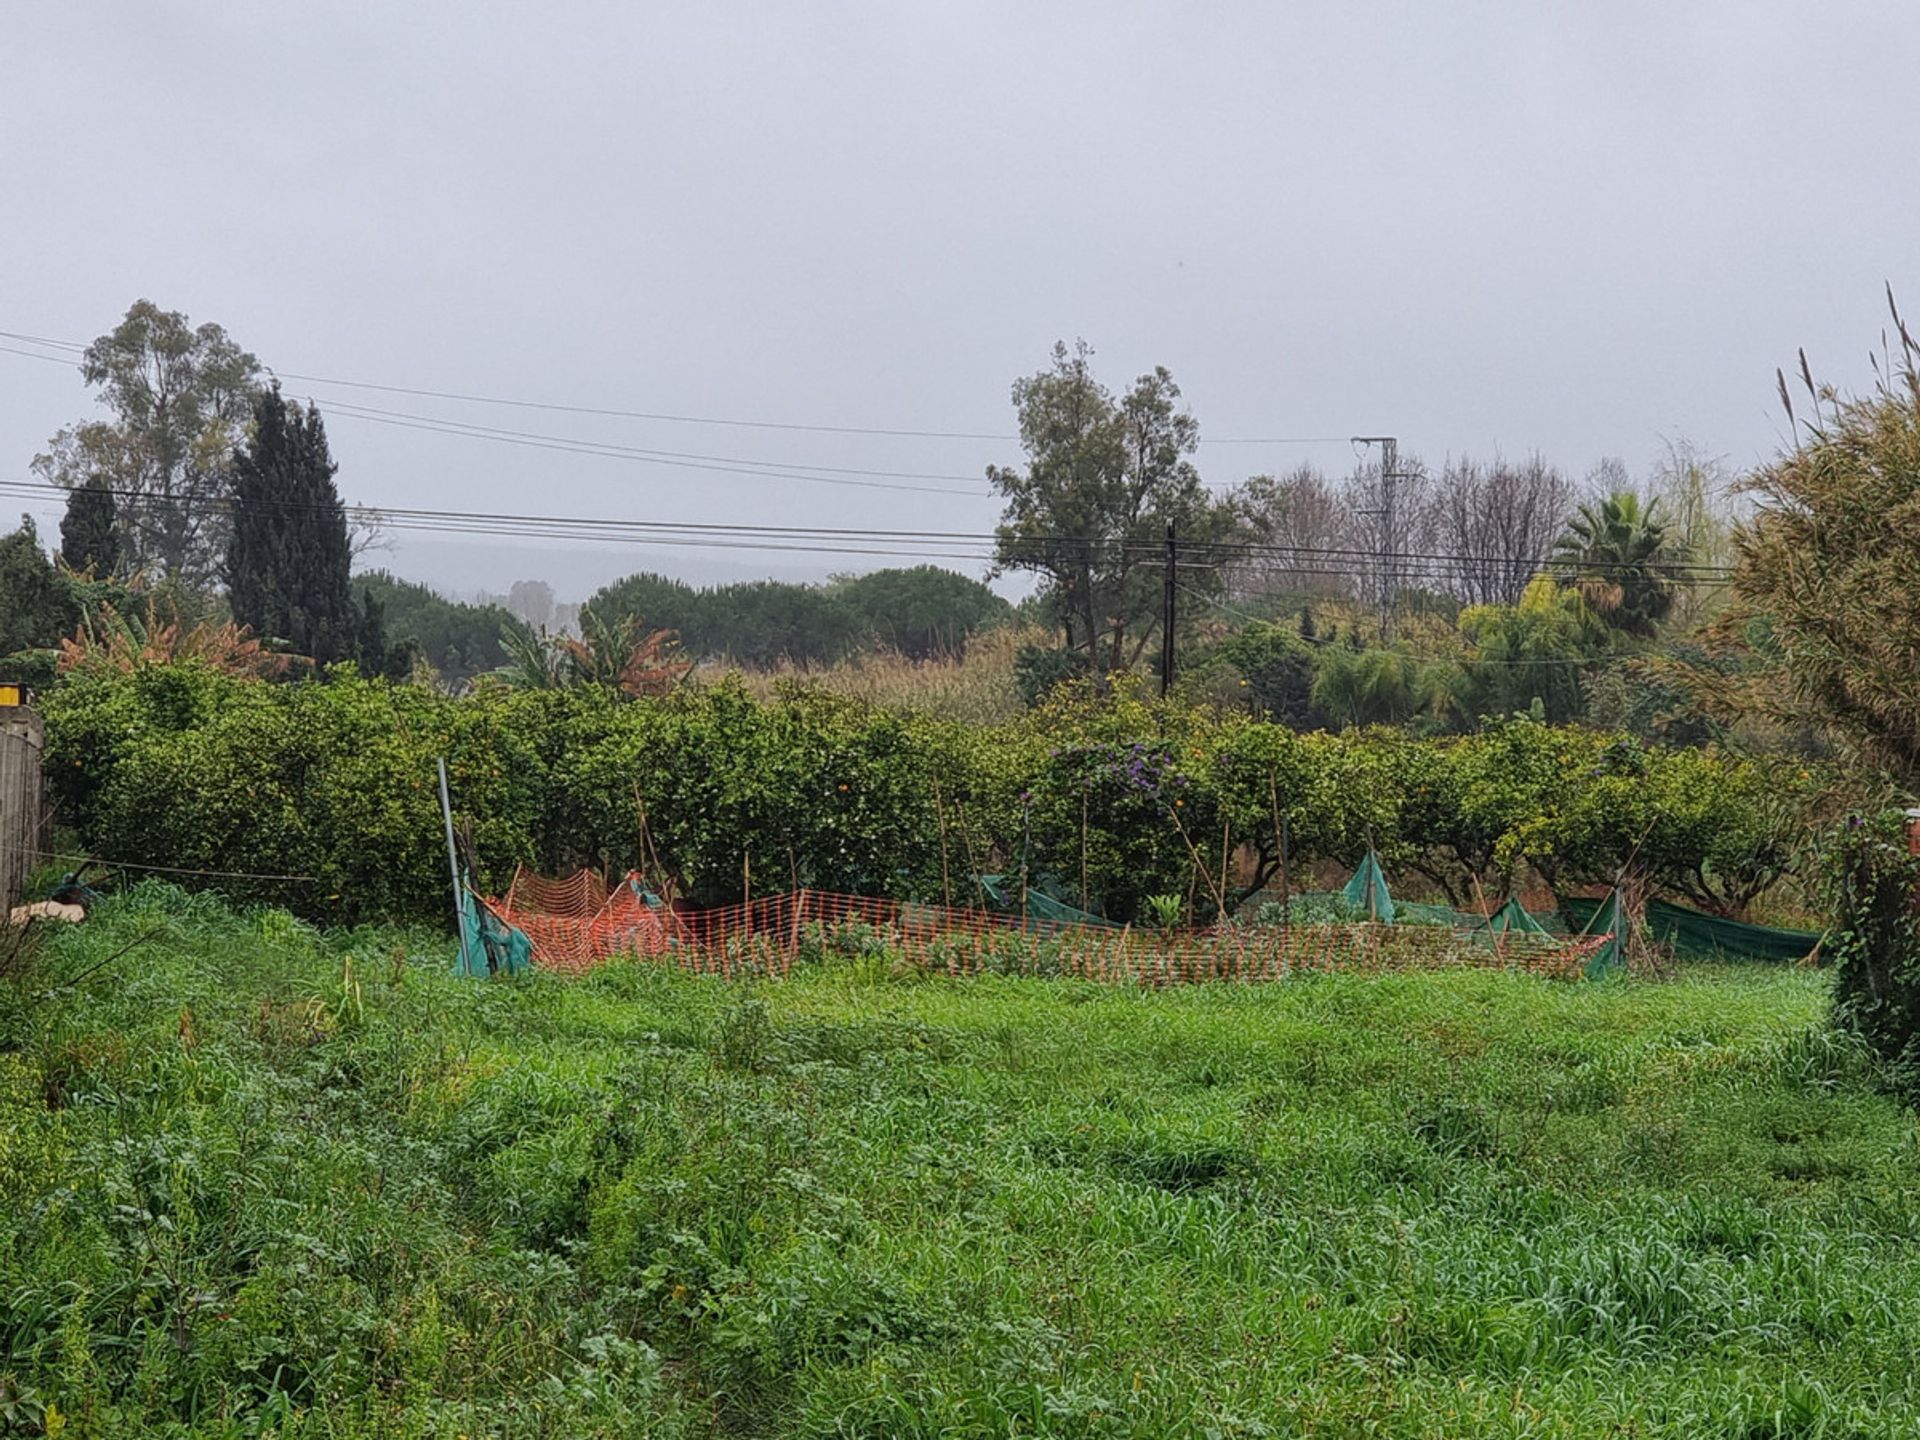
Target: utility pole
x,y
1390,539
1388,548
1167,612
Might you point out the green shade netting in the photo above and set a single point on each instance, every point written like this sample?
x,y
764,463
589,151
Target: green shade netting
x,y
1367,891
1512,918
1041,907
1608,918
490,946
1697,936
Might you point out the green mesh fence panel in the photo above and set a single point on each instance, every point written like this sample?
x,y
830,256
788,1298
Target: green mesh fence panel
x,y
1414,912
1697,936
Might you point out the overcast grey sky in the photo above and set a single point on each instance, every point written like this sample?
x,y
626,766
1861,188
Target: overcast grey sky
x,y
1577,228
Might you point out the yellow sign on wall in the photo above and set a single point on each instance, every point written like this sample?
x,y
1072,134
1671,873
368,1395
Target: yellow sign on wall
x,y
10,695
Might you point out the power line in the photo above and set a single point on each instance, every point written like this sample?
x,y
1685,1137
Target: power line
x,y
345,406
468,398
959,544
154,869
760,469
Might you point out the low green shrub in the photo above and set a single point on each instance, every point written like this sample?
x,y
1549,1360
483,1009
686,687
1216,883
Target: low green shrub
x,y
1121,797
1873,886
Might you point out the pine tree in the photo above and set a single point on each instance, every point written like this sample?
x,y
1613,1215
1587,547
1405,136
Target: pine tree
x,y
289,561
89,539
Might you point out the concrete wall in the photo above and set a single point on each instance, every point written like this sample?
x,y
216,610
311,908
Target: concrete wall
x,y
21,809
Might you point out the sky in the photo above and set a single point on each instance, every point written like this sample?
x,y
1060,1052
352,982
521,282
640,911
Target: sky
x,y
1581,229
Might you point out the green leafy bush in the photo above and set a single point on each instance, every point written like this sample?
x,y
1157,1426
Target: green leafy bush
x,y
1117,796
1872,882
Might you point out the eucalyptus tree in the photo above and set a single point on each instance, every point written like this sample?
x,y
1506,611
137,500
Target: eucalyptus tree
x,y
181,398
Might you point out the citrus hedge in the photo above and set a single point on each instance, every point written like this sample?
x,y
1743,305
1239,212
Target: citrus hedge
x,y
334,782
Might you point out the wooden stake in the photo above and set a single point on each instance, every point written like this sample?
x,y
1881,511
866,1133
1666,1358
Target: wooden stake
x,y
973,865
1199,866
1280,839
1226,832
1083,849
940,814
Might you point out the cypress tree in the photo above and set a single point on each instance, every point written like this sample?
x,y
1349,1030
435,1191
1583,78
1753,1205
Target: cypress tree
x,y
89,533
289,560
36,605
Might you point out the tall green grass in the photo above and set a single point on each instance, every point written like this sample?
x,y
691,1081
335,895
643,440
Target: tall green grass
x,y
257,1179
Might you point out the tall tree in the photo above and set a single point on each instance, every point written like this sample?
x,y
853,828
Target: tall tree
x,y
1617,554
1531,651
1308,532
1694,489
37,608
532,602
922,611
89,537
1500,521
1826,566
1089,512
289,558
180,397
459,641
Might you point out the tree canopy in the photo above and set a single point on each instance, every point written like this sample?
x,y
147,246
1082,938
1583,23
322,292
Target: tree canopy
x,y
289,562
1617,553
1089,511
920,612
1826,569
36,607
89,535
180,397
458,640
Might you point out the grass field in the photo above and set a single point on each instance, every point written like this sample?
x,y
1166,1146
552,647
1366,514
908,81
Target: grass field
x,y
256,1179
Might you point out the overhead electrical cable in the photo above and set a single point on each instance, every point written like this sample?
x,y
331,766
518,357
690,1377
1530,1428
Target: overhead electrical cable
x,y
931,544
668,417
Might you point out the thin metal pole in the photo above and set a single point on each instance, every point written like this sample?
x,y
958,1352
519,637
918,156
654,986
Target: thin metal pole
x,y
1390,538
1386,550
453,870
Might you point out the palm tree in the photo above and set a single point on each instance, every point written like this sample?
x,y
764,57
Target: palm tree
x,y
536,660
624,656
1616,553
1379,687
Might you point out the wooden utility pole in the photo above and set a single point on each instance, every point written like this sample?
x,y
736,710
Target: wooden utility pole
x,y
1167,611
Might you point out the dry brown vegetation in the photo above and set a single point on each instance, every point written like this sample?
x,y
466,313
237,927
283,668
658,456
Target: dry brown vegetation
x,y
978,687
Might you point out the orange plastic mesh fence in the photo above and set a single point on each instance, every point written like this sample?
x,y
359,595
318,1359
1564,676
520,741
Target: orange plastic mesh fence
x,y
769,936
581,895
576,923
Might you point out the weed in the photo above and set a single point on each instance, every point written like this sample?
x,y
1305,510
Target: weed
x,y
382,1200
